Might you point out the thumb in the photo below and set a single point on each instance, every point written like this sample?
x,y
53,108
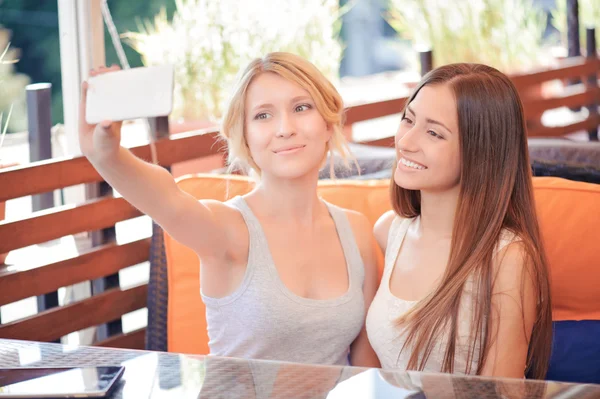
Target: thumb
x,y
106,124
110,128
83,104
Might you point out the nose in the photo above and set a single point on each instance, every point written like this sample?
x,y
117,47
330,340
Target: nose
x,y
286,126
407,140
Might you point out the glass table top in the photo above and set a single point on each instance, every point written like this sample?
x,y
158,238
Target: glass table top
x,y
168,375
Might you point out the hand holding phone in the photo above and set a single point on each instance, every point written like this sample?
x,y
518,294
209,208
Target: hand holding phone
x,y
119,95
111,95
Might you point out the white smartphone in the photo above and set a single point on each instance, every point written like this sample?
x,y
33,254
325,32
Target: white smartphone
x,y
130,94
73,382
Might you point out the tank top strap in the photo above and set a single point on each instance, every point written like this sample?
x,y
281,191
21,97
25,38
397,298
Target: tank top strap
x,y
396,234
258,247
350,247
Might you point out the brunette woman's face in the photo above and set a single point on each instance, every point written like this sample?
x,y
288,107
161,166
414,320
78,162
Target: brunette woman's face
x,y
427,142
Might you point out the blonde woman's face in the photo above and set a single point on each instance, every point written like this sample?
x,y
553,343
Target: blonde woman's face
x,y
286,134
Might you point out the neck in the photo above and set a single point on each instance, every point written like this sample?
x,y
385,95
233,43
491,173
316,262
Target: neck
x,y
437,213
290,200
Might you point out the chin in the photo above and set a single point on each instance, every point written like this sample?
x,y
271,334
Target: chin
x,y
419,183
291,171
408,182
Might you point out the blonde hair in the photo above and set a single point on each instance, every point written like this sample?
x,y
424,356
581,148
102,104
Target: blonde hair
x,y
297,70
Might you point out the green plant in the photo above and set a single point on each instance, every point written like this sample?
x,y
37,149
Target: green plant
x,y
506,34
589,16
12,89
209,41
4,128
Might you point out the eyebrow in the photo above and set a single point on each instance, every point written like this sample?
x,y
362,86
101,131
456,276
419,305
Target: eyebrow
x,y
293,100
432,121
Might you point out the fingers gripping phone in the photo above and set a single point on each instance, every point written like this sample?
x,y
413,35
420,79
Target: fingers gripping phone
x,y
130,94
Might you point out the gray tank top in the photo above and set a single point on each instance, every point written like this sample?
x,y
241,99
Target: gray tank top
x,y
263,319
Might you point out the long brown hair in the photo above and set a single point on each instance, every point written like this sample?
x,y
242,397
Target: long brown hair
x,y
496,193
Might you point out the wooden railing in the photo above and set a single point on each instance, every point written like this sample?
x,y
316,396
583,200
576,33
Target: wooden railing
x,y
36,277
585,94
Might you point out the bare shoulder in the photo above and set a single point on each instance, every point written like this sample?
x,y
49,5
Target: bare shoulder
x,y
363,233
510,259
230,219
361,226
382,228
511,269
221,209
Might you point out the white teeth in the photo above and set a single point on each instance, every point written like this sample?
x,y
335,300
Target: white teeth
x,y
411,164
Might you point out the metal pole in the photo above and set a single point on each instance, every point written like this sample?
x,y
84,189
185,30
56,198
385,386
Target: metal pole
x,y
39,119
592,81
426,60
573,44
158,281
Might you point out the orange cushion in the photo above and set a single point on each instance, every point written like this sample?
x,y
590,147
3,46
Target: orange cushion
x,y
569,217
186,323
566,211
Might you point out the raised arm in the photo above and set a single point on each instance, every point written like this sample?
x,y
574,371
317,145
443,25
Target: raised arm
x,y
150,188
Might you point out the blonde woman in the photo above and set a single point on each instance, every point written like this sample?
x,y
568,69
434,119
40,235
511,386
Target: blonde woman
x,y
285,275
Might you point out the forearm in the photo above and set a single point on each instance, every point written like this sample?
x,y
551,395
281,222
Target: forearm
x,y
139,182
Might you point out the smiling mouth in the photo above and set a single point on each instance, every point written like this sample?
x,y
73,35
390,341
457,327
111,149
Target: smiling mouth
x,y
411,164
289,149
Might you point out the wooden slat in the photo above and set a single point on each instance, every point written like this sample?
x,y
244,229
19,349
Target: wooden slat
x,y
17,283
378,109
184,146
44,176
57,322
571,68
588,124
132,340
64,220
538,107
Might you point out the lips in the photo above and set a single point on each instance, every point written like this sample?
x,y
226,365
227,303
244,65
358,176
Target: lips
x,y
288,148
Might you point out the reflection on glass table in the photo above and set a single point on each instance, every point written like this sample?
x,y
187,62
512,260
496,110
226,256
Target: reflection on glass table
x,y
167,375
58,382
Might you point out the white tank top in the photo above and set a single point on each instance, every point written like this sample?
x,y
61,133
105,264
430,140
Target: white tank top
x,y
387,338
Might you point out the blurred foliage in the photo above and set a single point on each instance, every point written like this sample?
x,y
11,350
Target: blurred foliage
x,y
506,34
209,41
13,111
